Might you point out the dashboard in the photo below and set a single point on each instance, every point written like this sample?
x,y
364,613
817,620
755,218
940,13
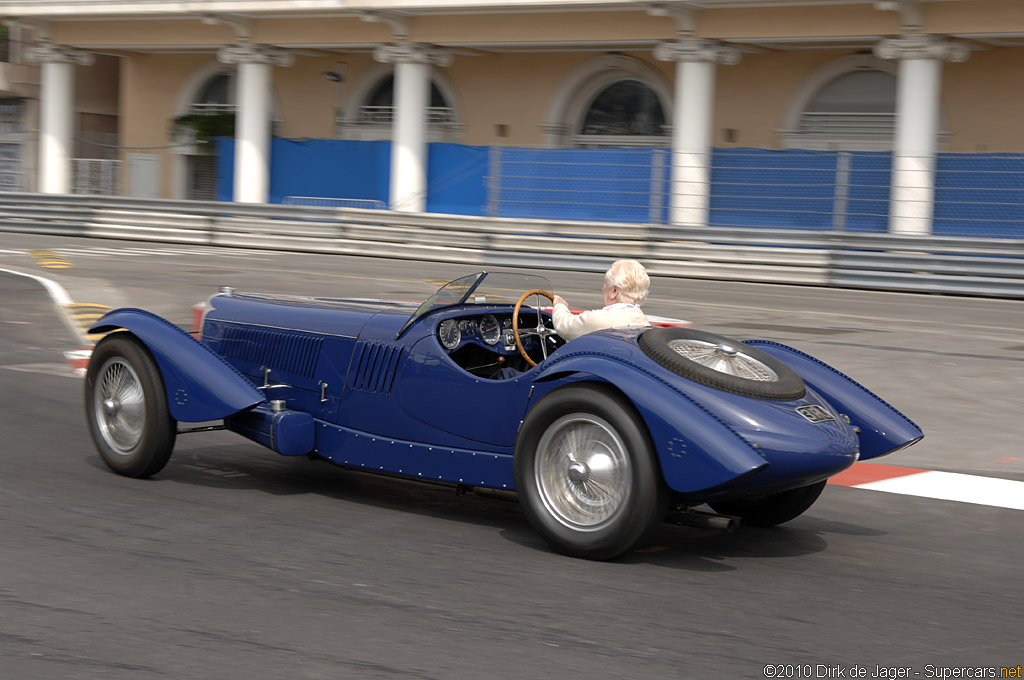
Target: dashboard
x,y
491,330
483,344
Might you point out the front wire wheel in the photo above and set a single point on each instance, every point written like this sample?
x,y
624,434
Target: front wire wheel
x,y
126,407
587,476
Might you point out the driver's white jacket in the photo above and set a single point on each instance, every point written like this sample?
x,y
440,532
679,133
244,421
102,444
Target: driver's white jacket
x,y
619,315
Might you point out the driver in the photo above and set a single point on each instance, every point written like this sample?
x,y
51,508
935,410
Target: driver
x,y
625,288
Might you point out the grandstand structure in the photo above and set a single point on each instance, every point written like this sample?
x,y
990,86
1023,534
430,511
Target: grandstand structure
x,y
194,97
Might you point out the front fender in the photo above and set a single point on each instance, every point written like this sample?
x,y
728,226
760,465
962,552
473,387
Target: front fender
x,y
697,450
200,385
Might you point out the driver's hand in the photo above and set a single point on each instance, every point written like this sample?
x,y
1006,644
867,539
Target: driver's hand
x,y
559,300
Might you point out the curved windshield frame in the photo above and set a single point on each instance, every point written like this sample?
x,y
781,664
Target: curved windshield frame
x,y
481,288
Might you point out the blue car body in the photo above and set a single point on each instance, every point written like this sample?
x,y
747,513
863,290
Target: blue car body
x,y
371,385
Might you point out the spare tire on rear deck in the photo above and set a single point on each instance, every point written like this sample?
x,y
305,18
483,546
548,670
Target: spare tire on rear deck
x,y
722,363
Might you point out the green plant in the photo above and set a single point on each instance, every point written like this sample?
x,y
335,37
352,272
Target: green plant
x,y
204,128
5,43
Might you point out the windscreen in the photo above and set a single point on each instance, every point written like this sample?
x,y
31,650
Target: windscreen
x,y
482,288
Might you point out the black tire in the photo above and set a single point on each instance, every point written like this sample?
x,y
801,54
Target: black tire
x,y
596,504
772,510
722,363
126,406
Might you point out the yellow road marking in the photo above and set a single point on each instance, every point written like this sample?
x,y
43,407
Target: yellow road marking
x,y
85,315
48,259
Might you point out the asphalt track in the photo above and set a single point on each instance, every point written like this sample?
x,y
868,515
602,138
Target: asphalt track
x,y
237,563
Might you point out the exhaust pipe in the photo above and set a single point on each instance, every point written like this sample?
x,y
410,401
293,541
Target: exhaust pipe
x,y
704,520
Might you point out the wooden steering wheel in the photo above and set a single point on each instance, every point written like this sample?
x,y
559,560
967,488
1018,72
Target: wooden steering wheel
x,y
541,331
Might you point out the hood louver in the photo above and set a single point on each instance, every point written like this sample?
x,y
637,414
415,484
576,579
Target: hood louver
x,y
375,367
282,351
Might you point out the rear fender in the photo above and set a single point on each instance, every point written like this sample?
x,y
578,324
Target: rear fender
x,y
697,450
200,385
883,429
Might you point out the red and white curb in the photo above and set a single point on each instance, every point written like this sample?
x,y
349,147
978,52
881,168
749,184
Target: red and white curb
x,y
660,321
948,486
665,322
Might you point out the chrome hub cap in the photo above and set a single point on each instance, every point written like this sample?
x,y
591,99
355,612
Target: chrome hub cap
x,y
120,406
109,407
582,470
578,473
726,350
724,358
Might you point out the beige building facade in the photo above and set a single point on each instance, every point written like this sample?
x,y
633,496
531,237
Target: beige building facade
x,y
813,74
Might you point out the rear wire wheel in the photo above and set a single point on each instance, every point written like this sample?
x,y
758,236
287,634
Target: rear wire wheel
x,y
587,475
126,406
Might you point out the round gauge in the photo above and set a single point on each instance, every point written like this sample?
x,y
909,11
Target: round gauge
x,y
449,333
490,330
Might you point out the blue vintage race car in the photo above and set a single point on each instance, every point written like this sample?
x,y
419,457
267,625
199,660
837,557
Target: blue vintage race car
x,y
601,438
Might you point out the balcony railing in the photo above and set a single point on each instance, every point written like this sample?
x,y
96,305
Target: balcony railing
x,y
203,109
847,123
385,115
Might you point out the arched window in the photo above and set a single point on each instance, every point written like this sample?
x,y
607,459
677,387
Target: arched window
x,y
847,104
628,107
862,103
209,92
610,101
210,113
384,94
374,109
217,95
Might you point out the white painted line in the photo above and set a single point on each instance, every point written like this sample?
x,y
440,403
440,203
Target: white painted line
x,y
173,252
80,253
45,369
56,291
243,257
127,252
99,252
60,298
142,252
952,486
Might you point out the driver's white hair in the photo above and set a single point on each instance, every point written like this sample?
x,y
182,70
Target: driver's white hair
x,y
630,277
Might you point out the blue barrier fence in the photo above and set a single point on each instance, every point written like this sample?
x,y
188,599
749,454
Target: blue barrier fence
x,y
328,168
620,185
979,195
975,194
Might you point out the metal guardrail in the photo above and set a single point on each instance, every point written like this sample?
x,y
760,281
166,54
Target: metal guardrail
x,y
961,266
321,202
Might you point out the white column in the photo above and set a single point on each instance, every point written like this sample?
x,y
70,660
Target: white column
x,y
411,101
56,113
692,120
912,200
252,120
